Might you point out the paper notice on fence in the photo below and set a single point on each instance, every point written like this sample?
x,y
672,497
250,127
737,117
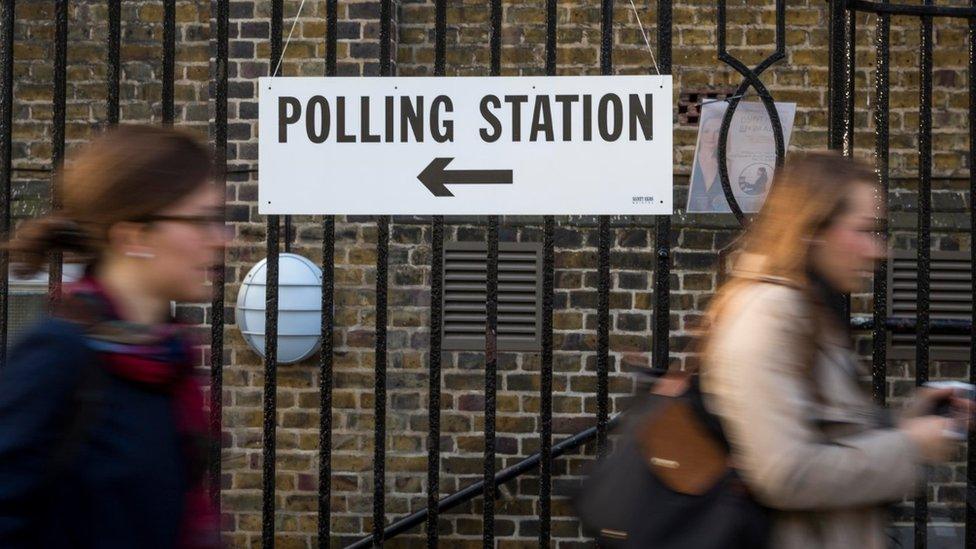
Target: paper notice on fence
x,y
750,152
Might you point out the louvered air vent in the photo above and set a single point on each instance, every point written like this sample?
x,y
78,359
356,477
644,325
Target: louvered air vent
x,y
519,295
950,297
690,103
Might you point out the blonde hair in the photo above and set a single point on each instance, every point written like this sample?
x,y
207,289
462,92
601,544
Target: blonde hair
x,y
808,193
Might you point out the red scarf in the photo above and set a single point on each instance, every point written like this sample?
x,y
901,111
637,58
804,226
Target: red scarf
x,y
157,358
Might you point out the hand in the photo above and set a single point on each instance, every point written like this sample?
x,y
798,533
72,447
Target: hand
x,y
962,412
929,435
925,401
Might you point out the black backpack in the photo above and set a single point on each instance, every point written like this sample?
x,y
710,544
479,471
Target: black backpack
x,y
669,483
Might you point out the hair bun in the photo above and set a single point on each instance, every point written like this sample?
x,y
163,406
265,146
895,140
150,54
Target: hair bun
x,y
36,239
66,234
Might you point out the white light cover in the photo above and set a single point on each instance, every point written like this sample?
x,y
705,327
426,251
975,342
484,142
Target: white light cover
x,y
299,307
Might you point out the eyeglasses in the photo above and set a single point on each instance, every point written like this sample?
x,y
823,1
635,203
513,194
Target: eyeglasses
x,y
214,222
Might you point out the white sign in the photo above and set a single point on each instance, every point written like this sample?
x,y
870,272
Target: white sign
x,y
750,153
465,145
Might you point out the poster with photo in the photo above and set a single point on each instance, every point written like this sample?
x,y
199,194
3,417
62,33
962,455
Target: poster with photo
x,y
750,153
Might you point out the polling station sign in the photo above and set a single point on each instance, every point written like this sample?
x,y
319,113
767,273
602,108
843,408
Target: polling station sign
x,y
465,145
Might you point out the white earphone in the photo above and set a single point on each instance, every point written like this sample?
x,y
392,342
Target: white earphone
x,y
140,255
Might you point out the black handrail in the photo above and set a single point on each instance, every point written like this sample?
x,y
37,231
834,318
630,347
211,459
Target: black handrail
x,y
912,9
895,325
908,325
475,490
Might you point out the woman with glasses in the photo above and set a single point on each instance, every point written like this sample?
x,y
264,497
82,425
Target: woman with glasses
x,y
103,433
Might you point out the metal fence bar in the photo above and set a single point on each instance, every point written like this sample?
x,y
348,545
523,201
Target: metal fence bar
x,y
837,85
909,325
751,78
331,33
276,68
971,446
661,342
169,60
916,10
434,377
924,242
270,385
328,320
603,267
379,387
436,315
271,334
603,334
491,322
6,133
222,21
850,93
505,475
56,260
545,385
840,133
325,374
850,89
548,285
114,63
879,338
382,287
289,235
491,378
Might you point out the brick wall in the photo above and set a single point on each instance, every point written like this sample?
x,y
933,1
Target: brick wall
x,y
696,239
87,88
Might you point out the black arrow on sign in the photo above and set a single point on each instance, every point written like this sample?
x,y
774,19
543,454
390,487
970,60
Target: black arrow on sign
x,y
435,177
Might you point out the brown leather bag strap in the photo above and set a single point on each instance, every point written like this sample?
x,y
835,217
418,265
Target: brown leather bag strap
x,y
672,384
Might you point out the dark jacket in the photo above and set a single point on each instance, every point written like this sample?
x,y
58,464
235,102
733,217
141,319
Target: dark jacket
x,y
120,485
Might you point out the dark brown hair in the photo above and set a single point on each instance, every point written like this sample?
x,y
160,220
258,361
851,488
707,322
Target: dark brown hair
x,y
128,173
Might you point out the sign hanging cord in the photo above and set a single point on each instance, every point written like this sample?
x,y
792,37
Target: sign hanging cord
x,y
288,40
644,34
294,22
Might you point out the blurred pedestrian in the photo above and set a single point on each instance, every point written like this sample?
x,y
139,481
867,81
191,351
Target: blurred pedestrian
x,y
103,434
780,372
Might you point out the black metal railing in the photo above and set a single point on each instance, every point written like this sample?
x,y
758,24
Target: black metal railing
x,y
971,445
6,152
57,135
882,104
842,26
843,54
328,320
436,316
221,24
750,79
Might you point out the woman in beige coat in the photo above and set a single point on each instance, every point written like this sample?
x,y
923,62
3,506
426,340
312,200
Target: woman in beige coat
x,y
779,370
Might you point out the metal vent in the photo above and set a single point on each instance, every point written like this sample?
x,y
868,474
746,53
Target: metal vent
x,y
689,103
519,296
950,297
